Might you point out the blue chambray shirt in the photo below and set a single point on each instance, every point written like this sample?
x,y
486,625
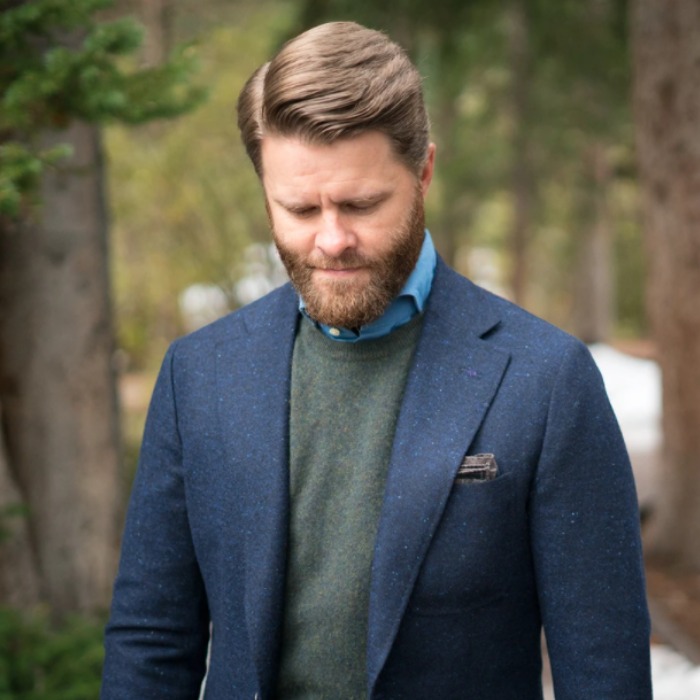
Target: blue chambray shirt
x,y
410,301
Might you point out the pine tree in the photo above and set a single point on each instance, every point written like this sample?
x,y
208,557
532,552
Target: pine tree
x,y
64,72
60,63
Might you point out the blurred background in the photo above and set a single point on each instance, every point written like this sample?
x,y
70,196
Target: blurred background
x,y
567,180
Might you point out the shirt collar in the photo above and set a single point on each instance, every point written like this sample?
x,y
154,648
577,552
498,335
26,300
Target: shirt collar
x,y
410,301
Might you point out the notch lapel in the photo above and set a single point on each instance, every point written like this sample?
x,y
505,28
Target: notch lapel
x,y
253,381
452,382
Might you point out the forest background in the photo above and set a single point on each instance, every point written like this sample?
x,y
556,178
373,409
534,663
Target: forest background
x,y
568,180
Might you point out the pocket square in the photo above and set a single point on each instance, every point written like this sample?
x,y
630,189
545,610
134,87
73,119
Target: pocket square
x,y
481,467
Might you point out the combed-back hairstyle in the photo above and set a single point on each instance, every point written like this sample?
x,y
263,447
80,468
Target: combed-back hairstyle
x,y
336,80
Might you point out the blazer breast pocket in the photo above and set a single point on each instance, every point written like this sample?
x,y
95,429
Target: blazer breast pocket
x,y
479,544
477,468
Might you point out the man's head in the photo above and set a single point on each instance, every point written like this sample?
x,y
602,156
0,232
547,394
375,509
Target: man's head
x,y
337,130
335,81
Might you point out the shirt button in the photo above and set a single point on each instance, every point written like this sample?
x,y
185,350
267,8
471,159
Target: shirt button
x,y
334,332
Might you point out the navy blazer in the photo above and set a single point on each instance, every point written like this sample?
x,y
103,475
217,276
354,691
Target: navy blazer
x,y
463,575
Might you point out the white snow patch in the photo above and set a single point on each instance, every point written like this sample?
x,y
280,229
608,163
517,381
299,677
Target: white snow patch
x,y
673,676
634,387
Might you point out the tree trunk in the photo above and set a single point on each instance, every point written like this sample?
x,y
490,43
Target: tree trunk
x,y
448,219
522,177
594,296
57,387
157,17
666,43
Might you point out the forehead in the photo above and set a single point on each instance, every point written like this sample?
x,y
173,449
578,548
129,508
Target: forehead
x,y
292,165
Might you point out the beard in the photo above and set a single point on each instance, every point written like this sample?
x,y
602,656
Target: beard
x,y
352,303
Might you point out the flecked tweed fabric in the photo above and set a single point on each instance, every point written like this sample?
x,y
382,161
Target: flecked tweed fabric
x,y
345,400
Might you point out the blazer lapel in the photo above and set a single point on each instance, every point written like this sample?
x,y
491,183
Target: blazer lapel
x,y
253,385
452,382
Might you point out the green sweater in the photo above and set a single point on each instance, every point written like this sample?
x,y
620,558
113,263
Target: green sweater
x,y
345,399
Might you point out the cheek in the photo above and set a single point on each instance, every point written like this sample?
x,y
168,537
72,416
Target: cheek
x,y
379,236
290,233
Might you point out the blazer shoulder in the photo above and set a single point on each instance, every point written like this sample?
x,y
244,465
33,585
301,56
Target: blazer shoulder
x,y
489,316
268,312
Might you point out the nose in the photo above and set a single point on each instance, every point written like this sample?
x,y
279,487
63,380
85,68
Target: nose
x,y
334,236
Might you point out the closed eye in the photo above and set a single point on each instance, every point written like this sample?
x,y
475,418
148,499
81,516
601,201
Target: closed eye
x,y
363,206
302,212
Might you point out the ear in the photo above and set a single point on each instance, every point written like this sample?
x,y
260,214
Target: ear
x,y
427,172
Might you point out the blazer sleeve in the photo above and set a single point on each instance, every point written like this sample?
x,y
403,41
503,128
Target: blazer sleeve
x,y
586,544
157,635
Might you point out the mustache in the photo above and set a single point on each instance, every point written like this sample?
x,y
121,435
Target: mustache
x,y
347,261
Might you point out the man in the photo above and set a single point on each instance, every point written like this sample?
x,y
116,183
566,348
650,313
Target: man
x,y
383,481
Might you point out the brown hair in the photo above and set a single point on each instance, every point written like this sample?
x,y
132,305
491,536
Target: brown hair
x,y
337,80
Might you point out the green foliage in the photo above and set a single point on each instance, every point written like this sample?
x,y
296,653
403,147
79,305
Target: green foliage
x,y
59,64
20,170
39,661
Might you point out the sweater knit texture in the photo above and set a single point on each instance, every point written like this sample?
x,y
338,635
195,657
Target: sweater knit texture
x,y
345,401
